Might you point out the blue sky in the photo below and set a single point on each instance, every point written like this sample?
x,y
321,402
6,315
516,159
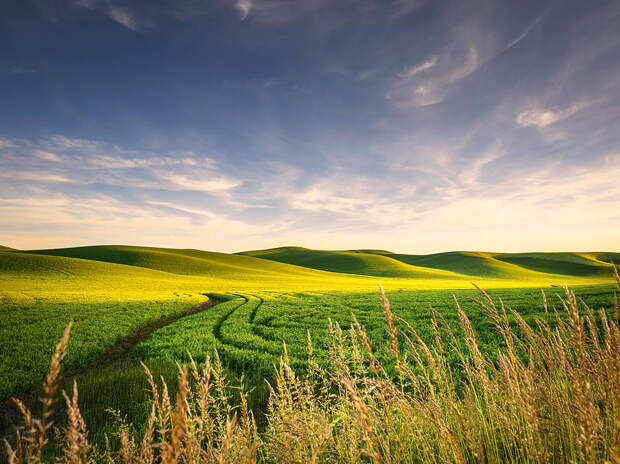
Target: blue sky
x,y
410,125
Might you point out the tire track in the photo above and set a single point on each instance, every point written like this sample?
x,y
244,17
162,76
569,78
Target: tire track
x,y
224,340
260,303
11,413
217,328
255,327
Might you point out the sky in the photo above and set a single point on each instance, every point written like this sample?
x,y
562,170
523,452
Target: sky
x,y
227,125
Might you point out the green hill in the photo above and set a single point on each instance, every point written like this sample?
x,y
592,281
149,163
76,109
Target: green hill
x,y
515,265
607,257
298,262
574,264
40,267
523,266
350,262
99,273
467,263
184,262
5,248
110,273
139,269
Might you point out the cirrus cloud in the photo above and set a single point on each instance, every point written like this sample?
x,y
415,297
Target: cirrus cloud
x,y
541,117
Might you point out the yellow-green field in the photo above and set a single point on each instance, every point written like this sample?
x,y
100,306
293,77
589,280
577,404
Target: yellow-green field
x,y
132,271
277,295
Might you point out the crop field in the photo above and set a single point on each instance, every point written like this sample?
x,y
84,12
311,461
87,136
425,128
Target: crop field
x,y
250,331
266,300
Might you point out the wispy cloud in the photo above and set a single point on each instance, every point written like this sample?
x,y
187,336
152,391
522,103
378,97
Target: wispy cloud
x,y
470,175
60,142
284,11
20,70
418,68
541,117
194,182
34,176
81,161
244,7
90,4
46,155
115,11
320,197
528,28
5,143
123,17
417,87
49,218
182,208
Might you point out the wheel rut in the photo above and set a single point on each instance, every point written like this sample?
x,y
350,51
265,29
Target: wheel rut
x,y
217,328
253,315
114,353
250,327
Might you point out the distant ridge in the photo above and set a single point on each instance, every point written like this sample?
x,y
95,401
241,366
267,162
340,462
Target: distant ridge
x,y
445,270
465,263
359,262
180,261
6,248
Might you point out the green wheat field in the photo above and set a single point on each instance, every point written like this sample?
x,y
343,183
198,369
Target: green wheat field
x,y
259,316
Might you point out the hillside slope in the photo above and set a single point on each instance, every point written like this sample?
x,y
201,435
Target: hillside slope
x,y
113,269
36,275
183,262
18,265
575,264
350,262
513,266
467,263
516,265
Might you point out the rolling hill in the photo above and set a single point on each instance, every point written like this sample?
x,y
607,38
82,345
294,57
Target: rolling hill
x,y
183,262
514,265
135,270
5,248
525,266
349,262
575,264
467,263
128,272
26,276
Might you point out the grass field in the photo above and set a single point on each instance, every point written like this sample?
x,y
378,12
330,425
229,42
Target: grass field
x,y
110,291
273,298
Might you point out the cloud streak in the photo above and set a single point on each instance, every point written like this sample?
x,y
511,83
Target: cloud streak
x,y
284,11
79,161
526,31
417,87
123,17
416,69
541,117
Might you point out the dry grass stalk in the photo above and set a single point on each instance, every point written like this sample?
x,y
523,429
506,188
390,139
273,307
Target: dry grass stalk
x,y
34,435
